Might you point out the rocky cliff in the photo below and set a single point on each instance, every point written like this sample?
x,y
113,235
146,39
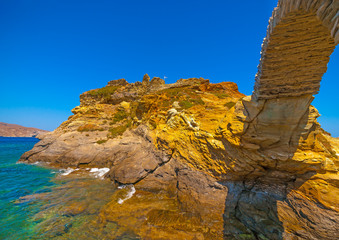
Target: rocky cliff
x,y
14,130
207,162
191,151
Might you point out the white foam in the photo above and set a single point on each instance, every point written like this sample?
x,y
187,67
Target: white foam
x,y
129,194
96,172
68,171
99,172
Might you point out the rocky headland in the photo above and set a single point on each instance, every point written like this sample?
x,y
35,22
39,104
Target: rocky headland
x,y
185,143
14,130
207,162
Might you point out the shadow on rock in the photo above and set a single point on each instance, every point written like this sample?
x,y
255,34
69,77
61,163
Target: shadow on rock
x,y
286,196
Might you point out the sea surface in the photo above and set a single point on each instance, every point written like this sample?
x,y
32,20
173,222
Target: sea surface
x,y
37,202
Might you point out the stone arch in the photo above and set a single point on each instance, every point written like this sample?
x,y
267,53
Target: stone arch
x,y
278,117
301,36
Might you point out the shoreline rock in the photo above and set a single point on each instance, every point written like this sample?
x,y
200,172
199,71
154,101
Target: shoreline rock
x,y
191,141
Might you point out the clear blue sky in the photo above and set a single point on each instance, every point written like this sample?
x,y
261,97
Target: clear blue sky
x,y
52,51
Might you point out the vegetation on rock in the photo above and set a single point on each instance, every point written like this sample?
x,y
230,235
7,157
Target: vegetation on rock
x,y
208,162
102,141
177,143
119,130
104,92
89,128
119,116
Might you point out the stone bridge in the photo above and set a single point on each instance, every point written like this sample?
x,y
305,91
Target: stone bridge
x,y
278,136
301,36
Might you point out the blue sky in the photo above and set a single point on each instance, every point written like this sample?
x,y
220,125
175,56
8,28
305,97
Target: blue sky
x,y
52,51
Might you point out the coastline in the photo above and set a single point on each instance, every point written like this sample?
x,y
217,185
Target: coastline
x,y
15,130
18,137
188,152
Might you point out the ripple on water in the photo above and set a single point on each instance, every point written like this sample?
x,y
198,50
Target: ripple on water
x,y
42,203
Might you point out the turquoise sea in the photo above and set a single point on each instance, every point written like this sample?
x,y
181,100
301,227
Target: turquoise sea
x,y
18,180
44,203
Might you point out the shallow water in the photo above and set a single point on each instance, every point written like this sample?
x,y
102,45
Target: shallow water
x,y
17,180
44,203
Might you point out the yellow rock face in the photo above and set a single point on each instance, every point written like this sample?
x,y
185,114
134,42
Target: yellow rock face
x,y
204,160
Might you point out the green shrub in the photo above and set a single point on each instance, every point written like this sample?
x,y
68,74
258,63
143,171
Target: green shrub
x,y
117,131
221,95
245,236
104,92
129,124
190,102
133,109
153,124
166,104
120,115
197,101
186,104
229,105
101,141
173,92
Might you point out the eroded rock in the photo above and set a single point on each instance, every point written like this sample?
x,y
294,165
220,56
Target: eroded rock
x,y
238,167
208,162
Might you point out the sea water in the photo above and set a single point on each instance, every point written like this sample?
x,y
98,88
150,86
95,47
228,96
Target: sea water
x,y
18,180
43,203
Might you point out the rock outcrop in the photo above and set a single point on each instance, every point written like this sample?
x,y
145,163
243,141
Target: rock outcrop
x,y
14,130
209,149
208,162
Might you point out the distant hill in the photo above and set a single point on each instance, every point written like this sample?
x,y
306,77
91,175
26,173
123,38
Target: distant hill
x,y
14,130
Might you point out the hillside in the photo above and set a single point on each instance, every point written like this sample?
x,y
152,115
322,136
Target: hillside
x,y
14,130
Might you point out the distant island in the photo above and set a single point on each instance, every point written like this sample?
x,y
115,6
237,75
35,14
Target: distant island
x,y
14,130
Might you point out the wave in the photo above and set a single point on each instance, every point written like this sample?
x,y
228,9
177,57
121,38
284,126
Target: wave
x,y
129,194
99,172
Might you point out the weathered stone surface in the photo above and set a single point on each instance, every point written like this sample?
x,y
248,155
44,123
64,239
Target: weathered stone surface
x,y
137,163
191,81
145,79
240,166
275,211
300,38
156,83
208,162
200,193
163,179
119,82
